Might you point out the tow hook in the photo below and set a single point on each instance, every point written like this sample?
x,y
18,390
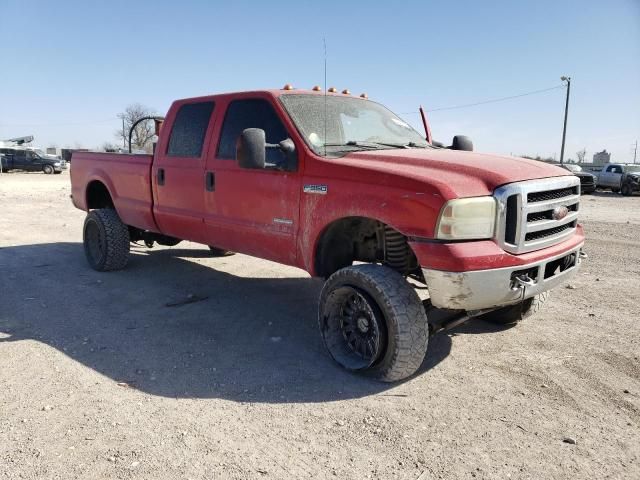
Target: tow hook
x,y
583,254
522,281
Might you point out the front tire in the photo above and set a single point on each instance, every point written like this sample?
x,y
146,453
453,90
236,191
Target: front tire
x,y
372,321
515,313
106,240
626,189
48,169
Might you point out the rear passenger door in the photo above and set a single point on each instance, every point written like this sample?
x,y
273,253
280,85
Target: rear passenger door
x,y
253,211
178,170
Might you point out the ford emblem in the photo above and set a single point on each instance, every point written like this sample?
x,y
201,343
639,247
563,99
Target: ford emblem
x,y
559,212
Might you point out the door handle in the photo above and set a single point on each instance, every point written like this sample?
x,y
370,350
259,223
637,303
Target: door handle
x,y
161,176
210,182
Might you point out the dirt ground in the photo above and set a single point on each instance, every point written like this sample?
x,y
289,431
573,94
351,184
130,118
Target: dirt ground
x,y
100,379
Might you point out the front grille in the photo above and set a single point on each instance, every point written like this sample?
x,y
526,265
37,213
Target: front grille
x,y
548,214
551,194
547,233
586,181
526,219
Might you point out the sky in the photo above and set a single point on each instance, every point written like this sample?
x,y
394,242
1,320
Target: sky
x,y
69,67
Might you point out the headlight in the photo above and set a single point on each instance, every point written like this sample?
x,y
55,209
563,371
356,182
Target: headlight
x,y
467,218
57,164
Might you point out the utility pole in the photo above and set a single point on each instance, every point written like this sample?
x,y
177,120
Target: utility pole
x,y
124,135
566,112
635,151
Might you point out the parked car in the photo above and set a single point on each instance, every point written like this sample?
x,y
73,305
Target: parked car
x,y
630,181
587,180
612,173
30,160
342,188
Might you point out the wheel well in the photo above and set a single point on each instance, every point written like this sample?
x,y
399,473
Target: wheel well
x,y
98,196
363,239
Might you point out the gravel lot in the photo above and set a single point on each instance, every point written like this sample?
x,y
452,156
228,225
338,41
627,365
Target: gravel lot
x,y
100,379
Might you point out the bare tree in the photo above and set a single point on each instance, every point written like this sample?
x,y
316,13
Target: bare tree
x,y
581,154
143,132
109,147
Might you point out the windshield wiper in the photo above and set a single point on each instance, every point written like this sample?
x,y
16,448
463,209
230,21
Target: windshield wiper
x,y
354,143
374,145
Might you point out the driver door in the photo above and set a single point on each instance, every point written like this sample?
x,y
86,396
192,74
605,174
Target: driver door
x,y
249,210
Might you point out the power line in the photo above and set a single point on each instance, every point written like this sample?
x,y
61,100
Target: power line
x,y
454,107
494,100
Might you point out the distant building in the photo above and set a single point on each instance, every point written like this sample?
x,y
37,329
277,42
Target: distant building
x,y
601,158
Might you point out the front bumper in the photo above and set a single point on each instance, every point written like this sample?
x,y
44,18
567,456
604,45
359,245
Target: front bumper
x,y
480,289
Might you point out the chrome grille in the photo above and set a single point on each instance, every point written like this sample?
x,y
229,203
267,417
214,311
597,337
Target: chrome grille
x,y
525,213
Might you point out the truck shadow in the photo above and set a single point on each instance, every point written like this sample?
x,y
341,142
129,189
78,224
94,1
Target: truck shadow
x,y
248,339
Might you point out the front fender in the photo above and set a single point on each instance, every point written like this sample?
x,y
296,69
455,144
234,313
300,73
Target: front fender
x,y
412,213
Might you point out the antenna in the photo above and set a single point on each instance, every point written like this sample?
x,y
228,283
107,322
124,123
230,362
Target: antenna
x,y
324,42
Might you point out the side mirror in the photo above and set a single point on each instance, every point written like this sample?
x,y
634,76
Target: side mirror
x,y
251,150
289,149
461,142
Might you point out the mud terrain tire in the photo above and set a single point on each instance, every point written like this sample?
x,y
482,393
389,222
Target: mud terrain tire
x,y
515,313
380,306
106,240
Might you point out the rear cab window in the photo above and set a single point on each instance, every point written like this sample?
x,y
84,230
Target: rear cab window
x,y
189,130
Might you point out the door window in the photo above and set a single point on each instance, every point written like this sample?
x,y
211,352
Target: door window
x,y
251,113
189,130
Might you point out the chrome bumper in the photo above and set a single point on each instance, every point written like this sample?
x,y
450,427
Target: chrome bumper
x,y
480,289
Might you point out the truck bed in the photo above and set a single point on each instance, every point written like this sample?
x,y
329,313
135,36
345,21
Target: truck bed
x,y
127,177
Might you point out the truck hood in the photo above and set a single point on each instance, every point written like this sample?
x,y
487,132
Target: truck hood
x,y
454,173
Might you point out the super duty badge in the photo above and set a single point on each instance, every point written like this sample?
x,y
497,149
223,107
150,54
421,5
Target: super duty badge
x,y
319,189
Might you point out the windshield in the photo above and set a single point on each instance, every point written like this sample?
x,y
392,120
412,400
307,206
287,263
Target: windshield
x,y
38,152
351,124
573,168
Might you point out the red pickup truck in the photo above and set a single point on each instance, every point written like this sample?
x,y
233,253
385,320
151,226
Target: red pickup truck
x,y
342,188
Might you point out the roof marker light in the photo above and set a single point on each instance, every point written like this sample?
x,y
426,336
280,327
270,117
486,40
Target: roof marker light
x,y
316,88
364,95
288,86
346,92
332,90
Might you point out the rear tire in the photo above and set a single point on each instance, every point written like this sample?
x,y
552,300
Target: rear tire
x,y
106,240
372,321
515,313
